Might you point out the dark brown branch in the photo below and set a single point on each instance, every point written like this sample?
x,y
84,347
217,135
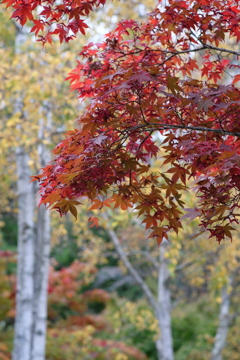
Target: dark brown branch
x,y
211,47
181,52
156,126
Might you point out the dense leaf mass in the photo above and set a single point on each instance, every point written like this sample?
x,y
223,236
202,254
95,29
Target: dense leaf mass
x,y
62,18
166,87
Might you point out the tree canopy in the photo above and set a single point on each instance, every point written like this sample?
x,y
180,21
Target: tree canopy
x,y
167,87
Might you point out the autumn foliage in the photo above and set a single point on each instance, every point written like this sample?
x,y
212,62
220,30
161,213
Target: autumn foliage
x,y
167,87
65,294
73,324
64,19
71,306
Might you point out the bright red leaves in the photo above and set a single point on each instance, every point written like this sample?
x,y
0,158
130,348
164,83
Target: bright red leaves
x,y
51,17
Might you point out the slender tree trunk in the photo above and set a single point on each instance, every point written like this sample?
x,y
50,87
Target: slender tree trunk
x,y
41,270
33,253
148,293
223,325
33,266
25,268
164,343
162,307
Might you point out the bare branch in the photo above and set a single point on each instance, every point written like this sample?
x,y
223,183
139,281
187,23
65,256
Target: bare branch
x,y
149,295
150,258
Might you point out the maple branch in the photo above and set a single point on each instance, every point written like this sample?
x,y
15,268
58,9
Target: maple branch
x,y
184,127
215,47
141,110
222,49
143,141
180,52
173,53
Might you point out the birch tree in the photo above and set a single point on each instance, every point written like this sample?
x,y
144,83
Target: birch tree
x,y
165,341
160,306
29,123
216,270
33,255
25,269
223,323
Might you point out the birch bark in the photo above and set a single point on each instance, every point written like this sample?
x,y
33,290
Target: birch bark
x,y
162,307
164,343
25,267
33,252
223,325
41,270
33,266
41,254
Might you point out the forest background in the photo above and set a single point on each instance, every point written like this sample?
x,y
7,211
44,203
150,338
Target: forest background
x,y
104,281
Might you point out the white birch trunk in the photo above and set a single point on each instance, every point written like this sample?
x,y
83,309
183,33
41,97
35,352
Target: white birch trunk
x,y
33,255
164,343
42,250
162,308
41,269
223,325
25,268
33,266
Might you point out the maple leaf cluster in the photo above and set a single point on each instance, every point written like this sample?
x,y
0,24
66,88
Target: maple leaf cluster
x,y
166,87
51,17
